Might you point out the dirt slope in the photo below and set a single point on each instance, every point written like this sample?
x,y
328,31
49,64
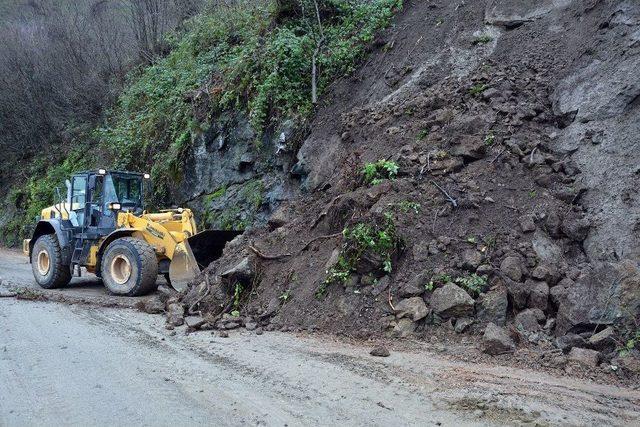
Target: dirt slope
x,y
512,126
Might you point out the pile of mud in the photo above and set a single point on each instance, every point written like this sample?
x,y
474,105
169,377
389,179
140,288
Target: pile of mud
x,y
513,217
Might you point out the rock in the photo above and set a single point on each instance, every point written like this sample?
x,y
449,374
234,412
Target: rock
x,y
242,272
415,286
231,325
546,250
470,148
484,270
166,292
492,306
380,351
259,331
223,334
518,292
541,272
539,295
527,321
451,301
251,326
576,229
552,224
583,356
604,294
463,324
603,339
151,305
511,267
278,218
414,308
404,328
496,340
194,322
380,286
471,259
558,293
567,342
175,314
527,223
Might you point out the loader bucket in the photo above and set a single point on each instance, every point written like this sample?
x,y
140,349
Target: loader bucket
x,y
196,253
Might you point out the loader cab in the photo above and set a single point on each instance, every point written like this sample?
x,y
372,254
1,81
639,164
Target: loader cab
x,y
96,197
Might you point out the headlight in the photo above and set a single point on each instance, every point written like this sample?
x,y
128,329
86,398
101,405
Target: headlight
x,y
115,206
147,176
102,171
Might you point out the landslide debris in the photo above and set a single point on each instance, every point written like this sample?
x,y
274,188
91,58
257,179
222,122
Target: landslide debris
x,y
493,223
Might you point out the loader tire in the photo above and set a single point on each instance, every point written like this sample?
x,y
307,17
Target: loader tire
x,y
130,267
47,263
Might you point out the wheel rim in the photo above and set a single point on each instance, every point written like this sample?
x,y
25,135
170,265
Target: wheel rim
x,y
44,263
120,269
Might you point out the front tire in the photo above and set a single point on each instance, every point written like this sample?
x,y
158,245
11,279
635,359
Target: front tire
x,y
47,264
129,267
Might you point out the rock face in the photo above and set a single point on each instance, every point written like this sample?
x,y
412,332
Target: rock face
x,y
604,295
492,306
413,308
496,340
451,301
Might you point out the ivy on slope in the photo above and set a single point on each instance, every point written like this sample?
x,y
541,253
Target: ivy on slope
x,y
253,58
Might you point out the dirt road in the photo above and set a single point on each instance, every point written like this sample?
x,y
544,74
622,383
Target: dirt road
x,y
71,364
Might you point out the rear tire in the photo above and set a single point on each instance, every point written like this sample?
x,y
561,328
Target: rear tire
x,y
47,263
130,267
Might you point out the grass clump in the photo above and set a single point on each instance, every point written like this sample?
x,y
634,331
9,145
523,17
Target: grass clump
x,y
477,89
483,39
375,173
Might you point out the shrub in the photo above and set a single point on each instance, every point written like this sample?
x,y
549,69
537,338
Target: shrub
x,y
375,173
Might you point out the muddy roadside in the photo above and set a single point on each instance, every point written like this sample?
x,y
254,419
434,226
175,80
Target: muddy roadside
x,y
273,378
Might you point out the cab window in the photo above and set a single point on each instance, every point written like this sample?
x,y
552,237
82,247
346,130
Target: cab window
x,y
79,192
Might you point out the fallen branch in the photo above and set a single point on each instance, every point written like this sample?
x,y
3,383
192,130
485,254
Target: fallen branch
x,y
391,301
453,201
315,239
265,256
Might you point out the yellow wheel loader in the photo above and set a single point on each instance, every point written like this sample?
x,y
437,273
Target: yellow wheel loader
x,y
102,226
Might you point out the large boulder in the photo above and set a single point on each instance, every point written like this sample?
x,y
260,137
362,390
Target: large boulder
x,y
496,340
606,294
492,306
413,308
451,301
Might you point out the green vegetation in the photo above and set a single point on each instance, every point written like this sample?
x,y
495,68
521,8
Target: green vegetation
x,y
473,284
422,134
285,296
478,89
489,139
407,205
255,58
483,39
632,342
39,192
375,173
380,240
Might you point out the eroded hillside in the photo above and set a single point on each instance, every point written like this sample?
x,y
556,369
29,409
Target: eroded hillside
x,y
499,199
